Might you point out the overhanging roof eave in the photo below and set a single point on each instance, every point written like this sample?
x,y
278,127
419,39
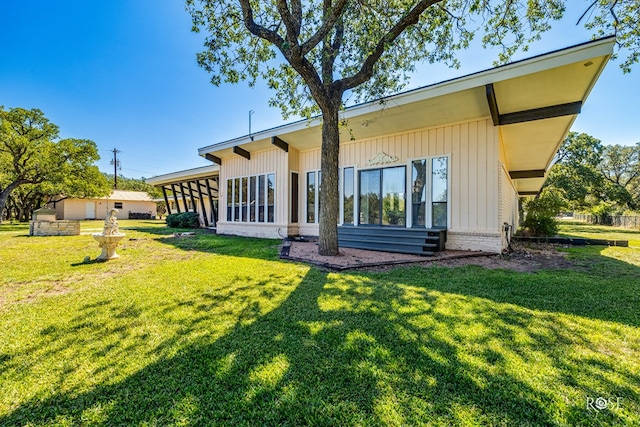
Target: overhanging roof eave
x,y
558,58
195,173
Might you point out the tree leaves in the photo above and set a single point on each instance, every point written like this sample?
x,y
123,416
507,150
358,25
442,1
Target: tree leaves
x,y
590,174
32,155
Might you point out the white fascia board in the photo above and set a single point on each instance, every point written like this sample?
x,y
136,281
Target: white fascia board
x,y
184,175
262,135
547,61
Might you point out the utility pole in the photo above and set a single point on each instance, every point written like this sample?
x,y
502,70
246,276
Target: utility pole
x,y
116,165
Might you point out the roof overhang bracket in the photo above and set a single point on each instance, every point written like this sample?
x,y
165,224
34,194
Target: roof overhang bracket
x,y
549,112
560,110
212,158
242,152
539,173
493,104
527,193
280,144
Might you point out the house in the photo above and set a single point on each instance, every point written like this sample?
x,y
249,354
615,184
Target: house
x,y
127,202
453,156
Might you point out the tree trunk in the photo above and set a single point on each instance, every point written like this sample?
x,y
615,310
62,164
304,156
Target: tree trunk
x,y
4,195
329,194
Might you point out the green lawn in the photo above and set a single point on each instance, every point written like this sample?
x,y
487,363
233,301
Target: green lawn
x,y
215,330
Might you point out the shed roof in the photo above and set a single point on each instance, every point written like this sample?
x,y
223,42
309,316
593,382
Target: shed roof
x,y
131,196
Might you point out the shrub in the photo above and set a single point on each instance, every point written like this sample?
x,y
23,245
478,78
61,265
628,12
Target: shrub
x,y
189,220
173,221
541,212
603,213
183,220
540,225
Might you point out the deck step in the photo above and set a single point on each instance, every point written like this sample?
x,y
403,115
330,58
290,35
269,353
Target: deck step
x,y
393,239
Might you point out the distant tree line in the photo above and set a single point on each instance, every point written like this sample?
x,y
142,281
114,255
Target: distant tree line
x,y
587,177
37,167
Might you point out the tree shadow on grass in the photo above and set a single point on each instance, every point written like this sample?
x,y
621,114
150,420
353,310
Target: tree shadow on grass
x,y
598,287
343,350
203,240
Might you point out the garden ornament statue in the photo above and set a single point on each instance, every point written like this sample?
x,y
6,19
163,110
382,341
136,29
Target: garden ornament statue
x,y
110,237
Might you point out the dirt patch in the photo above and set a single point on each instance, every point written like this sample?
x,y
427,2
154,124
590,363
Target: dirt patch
x,y
523,258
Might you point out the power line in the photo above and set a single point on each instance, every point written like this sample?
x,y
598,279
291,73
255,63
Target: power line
x,y
116,165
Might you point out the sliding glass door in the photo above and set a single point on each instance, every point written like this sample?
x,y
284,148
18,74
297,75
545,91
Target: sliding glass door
x,y
382,196
370,197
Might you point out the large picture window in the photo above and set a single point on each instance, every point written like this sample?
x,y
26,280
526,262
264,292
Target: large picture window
x,y
382,196
251,198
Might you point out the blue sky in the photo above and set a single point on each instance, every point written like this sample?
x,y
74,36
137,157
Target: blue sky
x,y
123,73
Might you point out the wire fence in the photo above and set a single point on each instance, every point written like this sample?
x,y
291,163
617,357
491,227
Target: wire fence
x,y
624,221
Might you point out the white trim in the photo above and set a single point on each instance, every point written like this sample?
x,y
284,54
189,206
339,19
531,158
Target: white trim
x,y
184,175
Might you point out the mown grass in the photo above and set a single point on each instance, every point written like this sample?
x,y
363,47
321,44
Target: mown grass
x,y
215,330
594,231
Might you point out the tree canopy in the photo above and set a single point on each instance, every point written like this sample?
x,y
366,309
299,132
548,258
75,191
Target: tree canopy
x,y
313,53
34,160
597,178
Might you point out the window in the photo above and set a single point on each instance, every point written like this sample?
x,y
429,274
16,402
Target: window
x,y
236,199
251,198
347,196
271,185
229,200
418,193
261,181
294,197
313,196
432,175
439,192
244,199
382,196
117,205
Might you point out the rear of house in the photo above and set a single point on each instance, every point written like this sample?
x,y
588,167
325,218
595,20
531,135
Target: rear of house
x,y
454,156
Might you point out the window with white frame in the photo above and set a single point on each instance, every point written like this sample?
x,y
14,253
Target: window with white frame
x,y
348,195
429,192
251,198
313,196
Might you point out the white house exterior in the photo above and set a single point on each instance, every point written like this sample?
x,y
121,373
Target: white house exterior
x,y
98,208
455,155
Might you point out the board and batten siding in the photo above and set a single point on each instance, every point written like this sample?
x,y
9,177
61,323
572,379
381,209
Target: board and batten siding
x,y
472,148
272,160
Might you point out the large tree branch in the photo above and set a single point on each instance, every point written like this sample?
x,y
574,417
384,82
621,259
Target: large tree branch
x,y
331,16
331,48
296,15
366,71
289,48
258,30
290,23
